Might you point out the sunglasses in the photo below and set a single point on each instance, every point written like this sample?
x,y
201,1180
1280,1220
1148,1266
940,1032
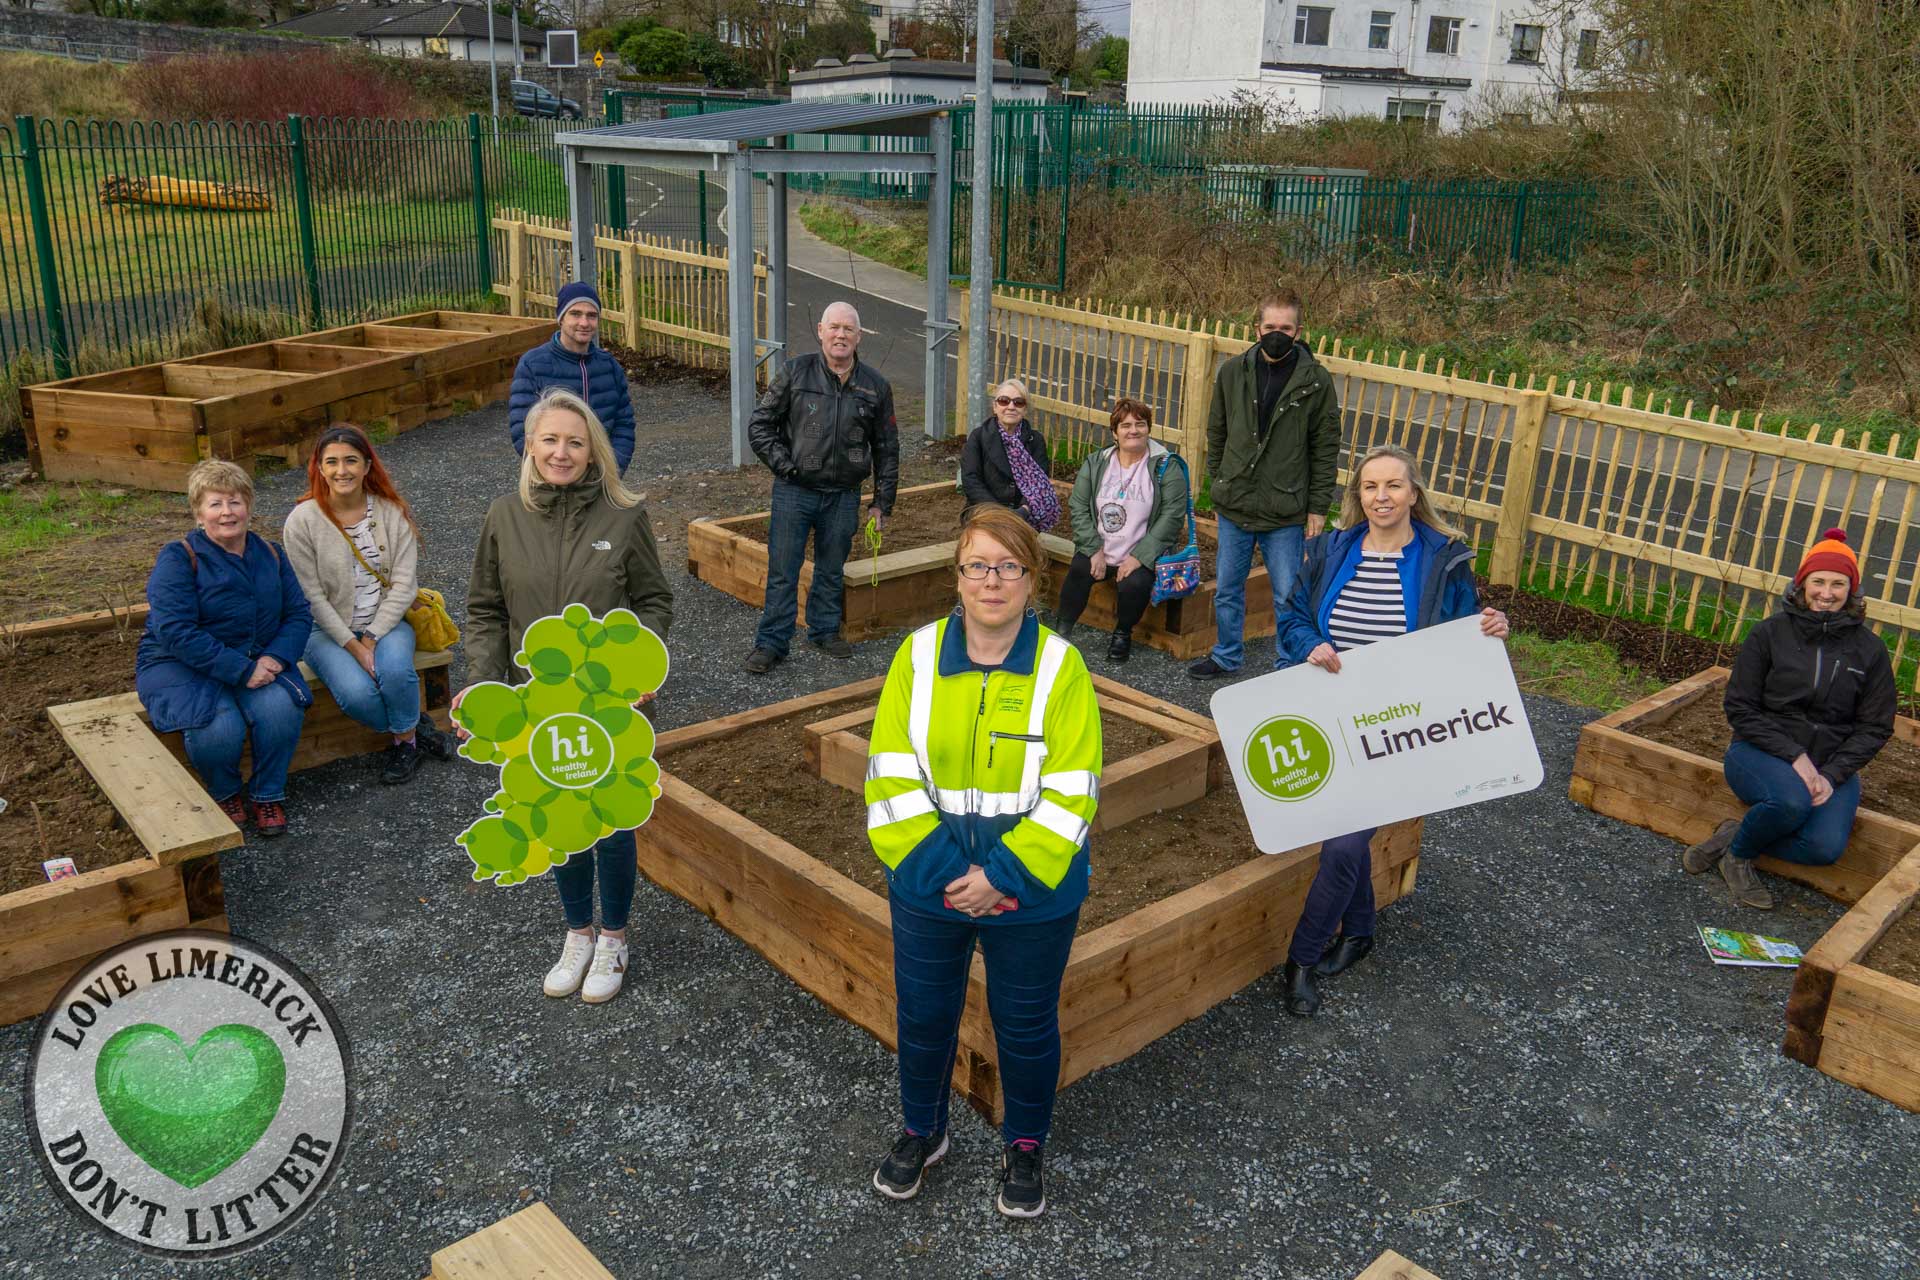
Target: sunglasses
x,y
1018,402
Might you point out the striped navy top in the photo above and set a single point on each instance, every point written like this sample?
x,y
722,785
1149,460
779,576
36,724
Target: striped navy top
x,y
1370,607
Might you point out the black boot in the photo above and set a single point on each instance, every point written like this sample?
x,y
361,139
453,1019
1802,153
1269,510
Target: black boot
x,y
1303,997
1342,956
1062,627
1120,648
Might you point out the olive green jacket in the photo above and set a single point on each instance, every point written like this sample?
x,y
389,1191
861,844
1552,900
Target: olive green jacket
x,y
1262,485
577,548
1166,520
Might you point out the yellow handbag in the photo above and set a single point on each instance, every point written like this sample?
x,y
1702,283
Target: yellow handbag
x,y
433,627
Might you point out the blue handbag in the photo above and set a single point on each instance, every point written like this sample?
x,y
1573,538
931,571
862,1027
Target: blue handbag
x,y
1176,575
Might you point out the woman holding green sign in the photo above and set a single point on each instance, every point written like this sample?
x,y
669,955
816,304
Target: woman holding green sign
x,y
1392,566
571,534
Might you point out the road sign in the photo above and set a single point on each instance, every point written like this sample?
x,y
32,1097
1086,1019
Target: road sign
x,y
599,59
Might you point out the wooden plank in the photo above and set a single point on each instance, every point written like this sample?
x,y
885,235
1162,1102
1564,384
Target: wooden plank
x,y
532,1244
71,920
1391,1266
1846,943
1876,1014
207,381
163,804
410,338
152,413
1894,1081
80,623
723,726
1163,777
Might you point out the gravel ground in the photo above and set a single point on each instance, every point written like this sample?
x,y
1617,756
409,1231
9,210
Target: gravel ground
x,y
1537,1074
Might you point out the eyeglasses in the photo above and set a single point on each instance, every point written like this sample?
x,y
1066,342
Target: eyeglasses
x,y
1018,402
976,570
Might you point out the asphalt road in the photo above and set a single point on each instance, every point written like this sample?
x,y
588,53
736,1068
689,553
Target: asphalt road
x,y
1537,1074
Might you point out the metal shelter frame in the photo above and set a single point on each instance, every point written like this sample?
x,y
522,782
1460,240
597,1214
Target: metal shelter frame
x,y
753,140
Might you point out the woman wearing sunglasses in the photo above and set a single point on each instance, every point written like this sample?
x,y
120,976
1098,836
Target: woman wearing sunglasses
x,y
981,788
1005,461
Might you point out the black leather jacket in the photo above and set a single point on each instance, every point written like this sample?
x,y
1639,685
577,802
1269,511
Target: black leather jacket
x,y
812,429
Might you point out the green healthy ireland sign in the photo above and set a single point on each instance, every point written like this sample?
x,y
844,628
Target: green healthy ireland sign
x,y
576,760
1288,758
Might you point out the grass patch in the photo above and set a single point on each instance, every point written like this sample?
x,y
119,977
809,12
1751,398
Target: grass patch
x,y
892,246
1588,673
43,515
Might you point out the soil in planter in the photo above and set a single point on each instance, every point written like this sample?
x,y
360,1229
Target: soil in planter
x,y
1897,954
758,775
1889,785
37,771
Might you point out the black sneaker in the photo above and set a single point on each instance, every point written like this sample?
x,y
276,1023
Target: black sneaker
x,y
403,761
759,662
834,648
898,1177
427,734
1120,647
1207,669
1021,1194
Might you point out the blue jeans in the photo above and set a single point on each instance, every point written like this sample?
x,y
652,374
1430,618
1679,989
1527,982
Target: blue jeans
x,y
931,960
1281,549
831,519
1341,894
1784,822
616,860
388,700
268,715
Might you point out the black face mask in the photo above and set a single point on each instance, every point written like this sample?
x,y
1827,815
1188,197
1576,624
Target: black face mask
x,y
1276,344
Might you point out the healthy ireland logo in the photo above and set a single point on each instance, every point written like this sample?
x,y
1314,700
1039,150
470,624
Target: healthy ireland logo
x,y
576,760
1288,758
188,1094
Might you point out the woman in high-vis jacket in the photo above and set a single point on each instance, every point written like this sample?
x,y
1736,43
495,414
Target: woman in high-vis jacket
x,y
981,787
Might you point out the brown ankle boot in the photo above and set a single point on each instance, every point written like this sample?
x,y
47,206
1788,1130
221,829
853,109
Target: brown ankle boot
x,y
1745,884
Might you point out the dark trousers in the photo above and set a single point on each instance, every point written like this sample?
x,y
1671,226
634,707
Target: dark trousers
x,y
830,519
1341,895
1784,822
614,863
1134,590
931,959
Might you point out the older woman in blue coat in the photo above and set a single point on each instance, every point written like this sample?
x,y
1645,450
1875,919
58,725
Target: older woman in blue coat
x,y
573,359
220,660
1393,566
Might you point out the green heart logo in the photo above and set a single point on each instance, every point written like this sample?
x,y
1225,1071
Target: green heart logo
x,y
190,1112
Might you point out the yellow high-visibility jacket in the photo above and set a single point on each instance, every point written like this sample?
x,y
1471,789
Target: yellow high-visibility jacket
x,y
998,768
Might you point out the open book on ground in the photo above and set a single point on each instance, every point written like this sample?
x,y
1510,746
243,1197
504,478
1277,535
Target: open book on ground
x,y
1727,946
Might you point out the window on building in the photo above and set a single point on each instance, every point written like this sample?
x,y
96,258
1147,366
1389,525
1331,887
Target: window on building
x,y
1443,35
1380,29
875,11
1527,40
1638,51
1311,26
1589,55
1414,111
436,47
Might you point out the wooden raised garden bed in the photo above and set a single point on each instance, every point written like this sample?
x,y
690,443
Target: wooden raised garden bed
x,y
47,931
1129,981
1848,1018
147,426
1623,770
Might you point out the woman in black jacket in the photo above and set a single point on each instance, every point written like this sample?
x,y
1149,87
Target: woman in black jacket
x,y
1005,461
1811,701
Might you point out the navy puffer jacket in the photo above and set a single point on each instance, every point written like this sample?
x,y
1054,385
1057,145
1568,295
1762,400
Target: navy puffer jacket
x,y
595,377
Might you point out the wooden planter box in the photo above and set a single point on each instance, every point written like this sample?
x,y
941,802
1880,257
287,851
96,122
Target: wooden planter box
x,y
48,931
1183,628
147,426
1858,1025
1127,983
912,586
1684,796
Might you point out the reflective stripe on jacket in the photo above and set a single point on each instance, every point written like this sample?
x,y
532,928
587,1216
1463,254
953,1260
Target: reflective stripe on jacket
x,y
996,768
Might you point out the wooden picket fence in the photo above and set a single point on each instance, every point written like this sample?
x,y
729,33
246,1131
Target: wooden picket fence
x,y
1690,521
660,297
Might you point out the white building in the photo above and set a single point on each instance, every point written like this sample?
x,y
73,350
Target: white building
x,y
1416,60
900,74
450,29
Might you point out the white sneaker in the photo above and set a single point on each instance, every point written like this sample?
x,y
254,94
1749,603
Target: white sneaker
x,y
608,972
564,978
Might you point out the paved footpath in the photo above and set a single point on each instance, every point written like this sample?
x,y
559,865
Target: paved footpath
x,y
1537,1074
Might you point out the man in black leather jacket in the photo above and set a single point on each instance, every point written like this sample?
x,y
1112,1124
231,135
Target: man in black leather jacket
x,y
822,428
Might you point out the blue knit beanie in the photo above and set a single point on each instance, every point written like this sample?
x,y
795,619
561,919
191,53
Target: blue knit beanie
x,y
575,292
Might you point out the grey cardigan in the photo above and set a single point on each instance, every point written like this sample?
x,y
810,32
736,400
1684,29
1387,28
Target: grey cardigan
x,y
323,560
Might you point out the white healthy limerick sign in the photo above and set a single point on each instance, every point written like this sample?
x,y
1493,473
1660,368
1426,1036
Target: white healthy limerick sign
x,y
1427,721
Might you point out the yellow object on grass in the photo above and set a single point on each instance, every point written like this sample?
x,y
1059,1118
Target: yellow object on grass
x,y
186,193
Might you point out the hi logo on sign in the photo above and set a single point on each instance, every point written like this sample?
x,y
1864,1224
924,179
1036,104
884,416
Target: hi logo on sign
x,y
1288,758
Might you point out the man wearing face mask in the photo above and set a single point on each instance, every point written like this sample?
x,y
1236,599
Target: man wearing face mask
x,y
1273,446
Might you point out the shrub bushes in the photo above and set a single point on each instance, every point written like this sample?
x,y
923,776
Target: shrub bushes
x,y
271,86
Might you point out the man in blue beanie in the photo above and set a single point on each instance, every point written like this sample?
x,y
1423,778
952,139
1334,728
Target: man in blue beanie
x,y
572,359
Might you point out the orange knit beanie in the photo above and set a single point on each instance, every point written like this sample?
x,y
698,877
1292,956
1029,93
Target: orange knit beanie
x,y
1830,555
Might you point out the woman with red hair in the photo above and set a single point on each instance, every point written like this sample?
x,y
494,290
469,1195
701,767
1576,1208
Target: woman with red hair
x,y
354,546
